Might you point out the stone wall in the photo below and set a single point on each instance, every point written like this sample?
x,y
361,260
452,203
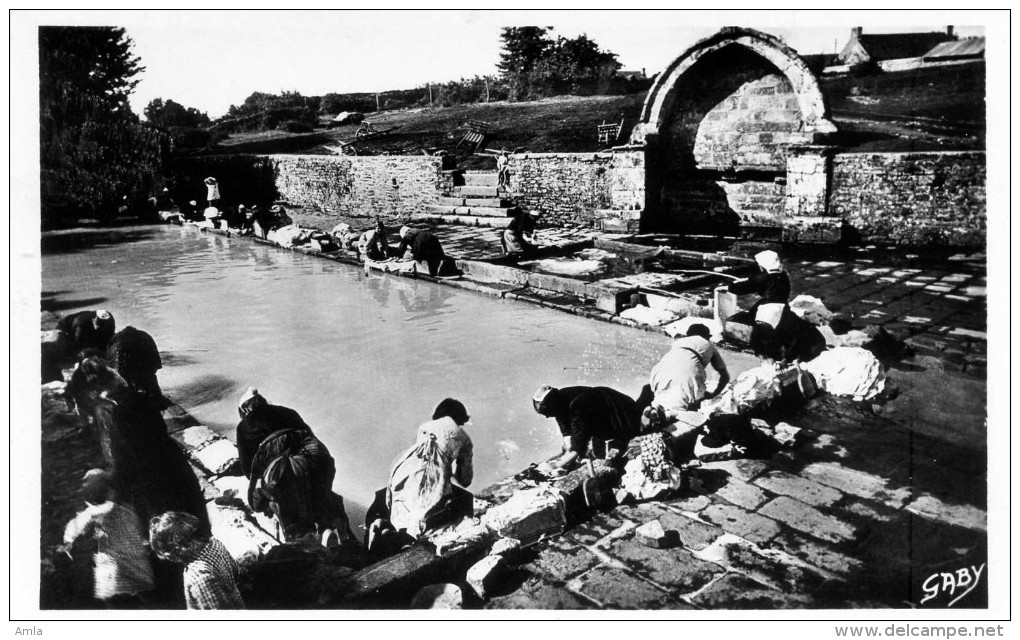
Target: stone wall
x,y
360,186
325,185
919,199
579,188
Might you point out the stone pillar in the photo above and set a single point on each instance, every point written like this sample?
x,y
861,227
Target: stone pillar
x,y
808,176
625,191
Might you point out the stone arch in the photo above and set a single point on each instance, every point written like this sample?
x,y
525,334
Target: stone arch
x,y
815,115
718,126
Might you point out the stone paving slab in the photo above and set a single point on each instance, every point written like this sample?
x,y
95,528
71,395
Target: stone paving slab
x,y
619,589
695,534
563,561
737,591
746,524
538,594
771,567
803,489
816,553
742,494
676,570
807,519
855,482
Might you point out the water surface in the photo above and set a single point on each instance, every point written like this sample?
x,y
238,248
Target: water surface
x,y
363,358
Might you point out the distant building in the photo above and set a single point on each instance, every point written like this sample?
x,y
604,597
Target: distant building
x,y
878,48
632,75
957,50
817,62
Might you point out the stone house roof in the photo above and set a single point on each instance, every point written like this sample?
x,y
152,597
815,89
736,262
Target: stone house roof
x,y
877,47
957,50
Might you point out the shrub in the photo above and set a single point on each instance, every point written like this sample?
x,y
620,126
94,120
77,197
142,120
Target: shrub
x,y
296,126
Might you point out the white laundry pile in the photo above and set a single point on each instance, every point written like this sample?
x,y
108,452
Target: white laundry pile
x,y
646,315
289,235
811,309
848,371
680,327
749,389
468,533
528,515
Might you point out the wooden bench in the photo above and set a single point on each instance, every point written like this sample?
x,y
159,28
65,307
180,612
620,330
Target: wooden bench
x,y
476,133
609,133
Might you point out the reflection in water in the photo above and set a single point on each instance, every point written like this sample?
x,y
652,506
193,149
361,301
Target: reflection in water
x,y
203,390
363,358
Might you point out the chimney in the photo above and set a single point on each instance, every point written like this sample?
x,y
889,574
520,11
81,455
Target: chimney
x,y
856,32
949,31
643,74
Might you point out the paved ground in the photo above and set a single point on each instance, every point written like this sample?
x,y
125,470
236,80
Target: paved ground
x,y
858,514
940,309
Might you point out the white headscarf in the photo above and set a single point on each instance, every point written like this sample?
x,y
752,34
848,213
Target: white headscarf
x,y
769,261
247,395
404,231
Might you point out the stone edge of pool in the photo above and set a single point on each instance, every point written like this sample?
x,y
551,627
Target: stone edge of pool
x,y
501,290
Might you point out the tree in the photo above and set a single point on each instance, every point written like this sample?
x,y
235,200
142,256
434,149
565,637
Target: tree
x,y
534,65
93,150
170,114
576,65
522,49
261,111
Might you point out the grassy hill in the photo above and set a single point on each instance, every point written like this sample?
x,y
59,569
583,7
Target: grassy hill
x,y
941,108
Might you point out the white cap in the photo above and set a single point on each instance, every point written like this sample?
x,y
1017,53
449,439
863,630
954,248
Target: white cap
x,y
770,313
247,395
769,261
541,393
404,231
103,314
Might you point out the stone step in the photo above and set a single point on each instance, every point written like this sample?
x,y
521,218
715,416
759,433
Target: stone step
x,y
480,191
450,201
492,212
469,221
481,179
498,203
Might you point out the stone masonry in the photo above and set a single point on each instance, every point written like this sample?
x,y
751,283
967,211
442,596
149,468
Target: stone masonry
x,y
327,186
352,186
574,189
912,198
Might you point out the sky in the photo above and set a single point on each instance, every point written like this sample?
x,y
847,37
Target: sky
x,y
213,59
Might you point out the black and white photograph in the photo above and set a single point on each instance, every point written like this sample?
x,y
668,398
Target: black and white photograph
x,y
471,314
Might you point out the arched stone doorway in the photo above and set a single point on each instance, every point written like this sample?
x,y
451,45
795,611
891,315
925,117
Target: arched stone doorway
x,y
718,125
